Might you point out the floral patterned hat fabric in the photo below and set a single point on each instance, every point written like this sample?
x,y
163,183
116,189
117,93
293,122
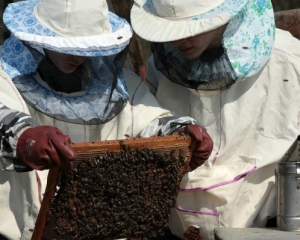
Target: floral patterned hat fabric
x,y
24,23
21,54
248,39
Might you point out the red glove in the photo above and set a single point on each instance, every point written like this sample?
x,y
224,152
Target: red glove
x,y
203,144
44,146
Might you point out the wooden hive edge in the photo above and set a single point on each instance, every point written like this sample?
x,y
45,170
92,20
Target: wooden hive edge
x,y
115,145
152,142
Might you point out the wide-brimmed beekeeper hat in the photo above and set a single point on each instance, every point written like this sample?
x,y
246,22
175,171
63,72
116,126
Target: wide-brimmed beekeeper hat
x,y
68,26
74,27
169,20
247,40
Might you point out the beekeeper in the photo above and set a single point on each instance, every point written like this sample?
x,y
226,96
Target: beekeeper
x,y
225,64
65,59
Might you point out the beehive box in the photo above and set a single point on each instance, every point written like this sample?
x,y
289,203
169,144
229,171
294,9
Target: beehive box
x,y
117,189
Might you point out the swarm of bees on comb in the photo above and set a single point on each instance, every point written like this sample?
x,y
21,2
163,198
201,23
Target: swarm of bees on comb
x,y
116,194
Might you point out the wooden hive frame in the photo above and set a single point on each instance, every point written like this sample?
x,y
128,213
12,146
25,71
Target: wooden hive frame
x,y
165,142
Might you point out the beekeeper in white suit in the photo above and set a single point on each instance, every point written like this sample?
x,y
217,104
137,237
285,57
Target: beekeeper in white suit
x,y
65,60
225,64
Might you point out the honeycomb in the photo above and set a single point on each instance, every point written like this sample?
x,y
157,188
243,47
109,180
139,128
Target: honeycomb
x,y
116,193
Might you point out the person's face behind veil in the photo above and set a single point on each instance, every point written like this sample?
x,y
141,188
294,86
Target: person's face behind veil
x,y
193,47
64,62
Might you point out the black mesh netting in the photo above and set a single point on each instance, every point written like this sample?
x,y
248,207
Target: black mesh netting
x,y
211,71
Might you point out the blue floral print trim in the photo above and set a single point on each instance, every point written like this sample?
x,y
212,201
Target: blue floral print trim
x,y
19,18
20,65
249,36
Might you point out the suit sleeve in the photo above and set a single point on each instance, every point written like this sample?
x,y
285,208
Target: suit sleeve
x,y
13,124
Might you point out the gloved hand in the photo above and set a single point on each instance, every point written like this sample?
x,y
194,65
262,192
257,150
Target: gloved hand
x,y
203,144
44,146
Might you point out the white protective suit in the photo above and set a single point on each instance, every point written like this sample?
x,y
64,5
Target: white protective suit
x,y
99,100
19,198
252,124
19,210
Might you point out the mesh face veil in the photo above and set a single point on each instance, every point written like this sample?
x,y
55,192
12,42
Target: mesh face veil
x,y
211,71
96,92
98,84
247,40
